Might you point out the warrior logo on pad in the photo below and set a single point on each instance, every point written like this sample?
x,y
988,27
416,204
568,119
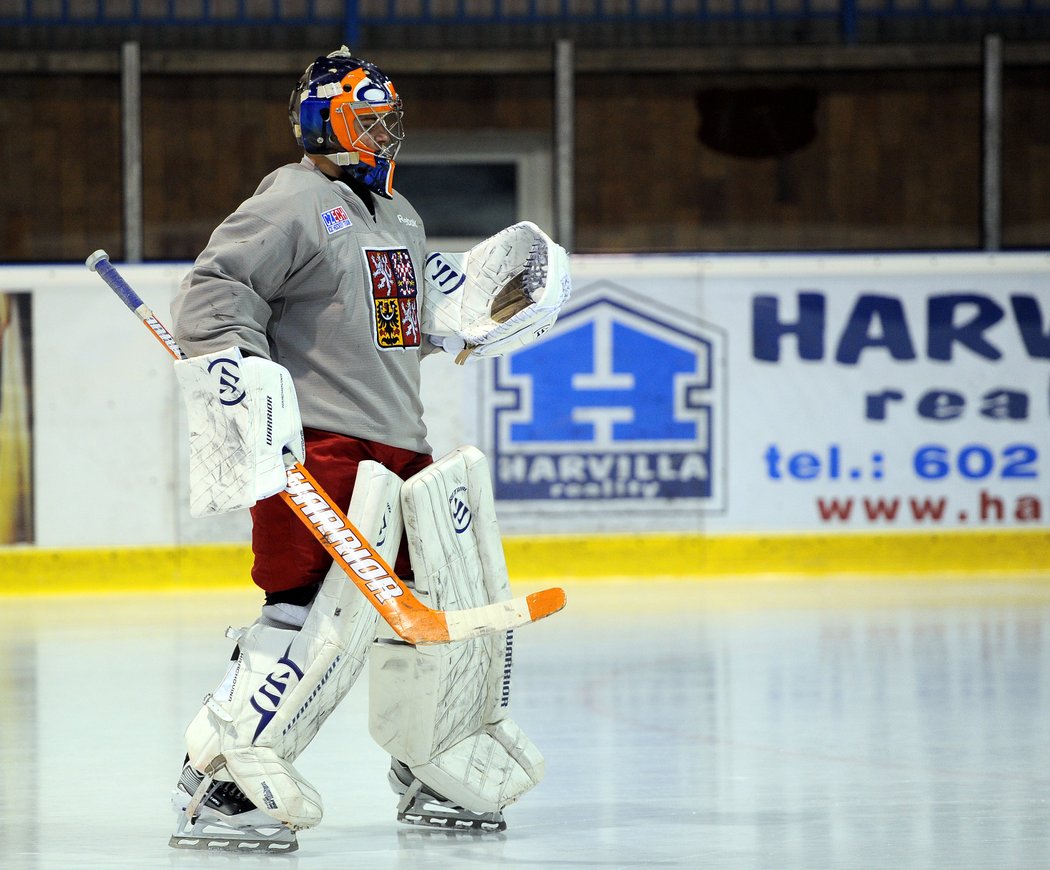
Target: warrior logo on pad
x,y
228,374
394,289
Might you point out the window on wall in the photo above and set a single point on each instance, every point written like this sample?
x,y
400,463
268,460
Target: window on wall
x,y
468,186
462,199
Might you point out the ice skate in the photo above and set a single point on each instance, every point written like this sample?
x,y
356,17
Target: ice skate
x,y
224,820
419,805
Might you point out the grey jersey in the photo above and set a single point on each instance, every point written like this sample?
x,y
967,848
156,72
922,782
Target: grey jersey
x,y
303,274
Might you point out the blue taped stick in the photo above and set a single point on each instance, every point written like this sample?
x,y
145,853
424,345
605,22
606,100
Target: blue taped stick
x,y
99,262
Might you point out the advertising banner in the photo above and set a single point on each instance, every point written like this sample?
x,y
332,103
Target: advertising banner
x,y
782,393
16,419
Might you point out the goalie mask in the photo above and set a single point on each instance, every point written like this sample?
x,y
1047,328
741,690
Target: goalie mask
x,y
348,110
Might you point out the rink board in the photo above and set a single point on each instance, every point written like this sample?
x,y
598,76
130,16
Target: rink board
x,y
686,416
31,571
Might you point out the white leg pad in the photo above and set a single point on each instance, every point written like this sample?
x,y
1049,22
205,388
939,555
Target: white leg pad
x,y
286,682
442,710
486,772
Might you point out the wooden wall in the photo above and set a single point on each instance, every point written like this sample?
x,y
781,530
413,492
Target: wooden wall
x,y
894,161
1026,158
60,152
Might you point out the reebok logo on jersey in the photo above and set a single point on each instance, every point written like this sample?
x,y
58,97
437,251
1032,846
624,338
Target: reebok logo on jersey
x,y
409,221
336,219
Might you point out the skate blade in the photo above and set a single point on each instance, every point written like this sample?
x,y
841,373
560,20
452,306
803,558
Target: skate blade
x,y
437,821
238,845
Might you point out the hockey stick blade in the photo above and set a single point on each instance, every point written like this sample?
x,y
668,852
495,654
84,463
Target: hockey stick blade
x,y
411,620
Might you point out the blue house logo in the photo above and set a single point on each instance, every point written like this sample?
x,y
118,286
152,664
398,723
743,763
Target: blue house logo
x,y
617,403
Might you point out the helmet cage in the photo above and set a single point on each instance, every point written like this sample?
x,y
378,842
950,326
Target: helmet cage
x,y
374,130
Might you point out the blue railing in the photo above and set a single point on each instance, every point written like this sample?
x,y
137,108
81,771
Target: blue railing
x,y
350,15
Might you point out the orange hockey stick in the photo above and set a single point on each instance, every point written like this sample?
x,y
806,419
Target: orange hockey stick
x,y
412,620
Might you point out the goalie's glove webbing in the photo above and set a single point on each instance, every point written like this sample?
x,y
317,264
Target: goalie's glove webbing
x,y
500,295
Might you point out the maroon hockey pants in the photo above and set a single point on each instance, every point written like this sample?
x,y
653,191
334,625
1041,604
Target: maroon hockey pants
x,y
287,556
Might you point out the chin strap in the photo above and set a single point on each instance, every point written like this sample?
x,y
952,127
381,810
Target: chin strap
x,y
344,158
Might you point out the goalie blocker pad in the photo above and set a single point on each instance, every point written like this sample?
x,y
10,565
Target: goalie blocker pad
x,y
242,414
284,683
442,710
502,294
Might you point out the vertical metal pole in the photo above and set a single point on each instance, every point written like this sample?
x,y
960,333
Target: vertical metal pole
x,y
351,25
131,122
564,143
848,21
992,150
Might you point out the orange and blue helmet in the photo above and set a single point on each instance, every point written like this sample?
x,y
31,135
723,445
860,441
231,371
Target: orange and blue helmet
x,y
348,110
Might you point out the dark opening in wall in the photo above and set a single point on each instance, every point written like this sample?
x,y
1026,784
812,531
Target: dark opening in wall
x,y
757,122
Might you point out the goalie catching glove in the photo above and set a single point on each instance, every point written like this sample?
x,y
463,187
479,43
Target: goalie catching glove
x,y
502,294
242,414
